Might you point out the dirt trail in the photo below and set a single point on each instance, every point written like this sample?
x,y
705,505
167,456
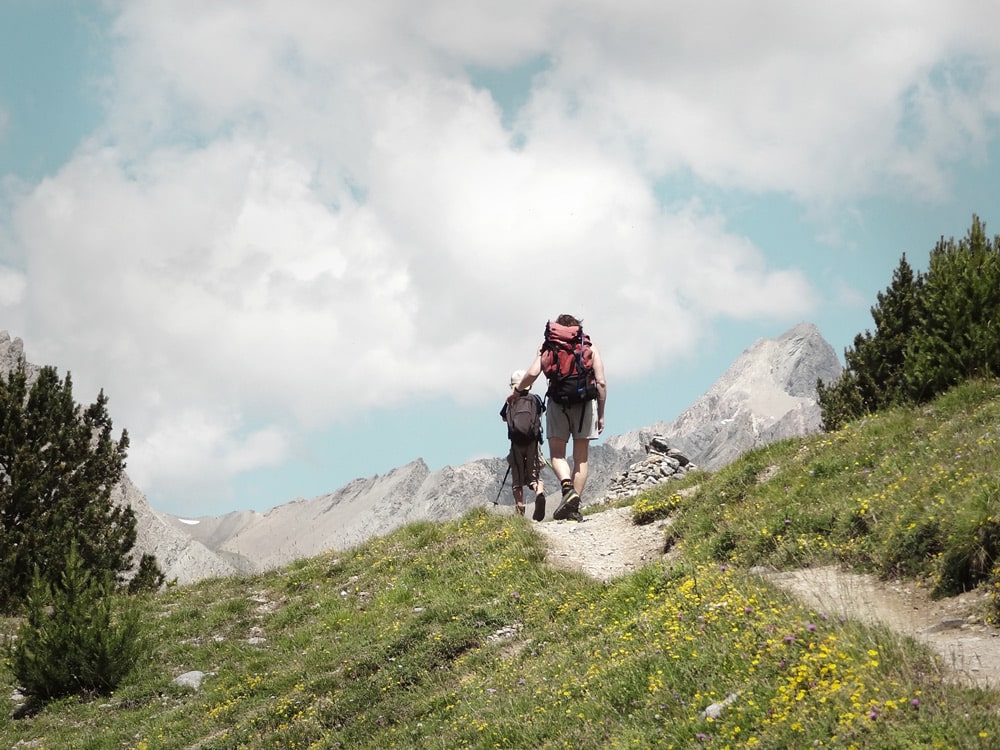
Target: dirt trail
x,y
606,544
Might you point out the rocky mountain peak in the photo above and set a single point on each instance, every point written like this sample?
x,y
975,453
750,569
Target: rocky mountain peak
x,y
11,353
767,394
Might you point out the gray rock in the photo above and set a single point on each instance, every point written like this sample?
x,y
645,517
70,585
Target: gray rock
x,y
11,353
182,559
191,680
661,464
949,623
714,710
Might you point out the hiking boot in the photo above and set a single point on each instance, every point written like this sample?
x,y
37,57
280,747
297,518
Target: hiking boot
x,y
570,504
574,515
539,513
520,509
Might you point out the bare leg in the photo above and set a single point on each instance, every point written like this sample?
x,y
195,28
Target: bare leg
x,y
538,486
557,452
569,507
519,500
581,452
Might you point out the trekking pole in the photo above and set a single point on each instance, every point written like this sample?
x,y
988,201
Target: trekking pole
x,y
502,483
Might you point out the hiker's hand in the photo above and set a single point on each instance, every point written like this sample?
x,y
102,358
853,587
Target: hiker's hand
x,y
600,425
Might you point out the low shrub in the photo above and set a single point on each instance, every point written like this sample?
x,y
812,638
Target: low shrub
x,y
78,638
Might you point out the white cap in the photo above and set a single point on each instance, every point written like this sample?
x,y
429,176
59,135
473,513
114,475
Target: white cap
x,y
516,377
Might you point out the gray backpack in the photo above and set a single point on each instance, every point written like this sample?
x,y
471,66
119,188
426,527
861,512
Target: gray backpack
x,y
524,420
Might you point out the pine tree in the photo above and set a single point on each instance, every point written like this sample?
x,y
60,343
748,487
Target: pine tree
x,y
896,315
932,331
874,376
958,336
840,402
148,576
58,465
78,636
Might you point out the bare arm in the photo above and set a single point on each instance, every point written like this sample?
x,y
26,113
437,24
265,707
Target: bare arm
x,y
602,388
530,375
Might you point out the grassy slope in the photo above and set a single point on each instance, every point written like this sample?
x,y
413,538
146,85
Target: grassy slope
x,y
912,492
456,635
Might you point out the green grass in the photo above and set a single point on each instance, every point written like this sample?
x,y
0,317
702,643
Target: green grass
x,y
911,492
456,635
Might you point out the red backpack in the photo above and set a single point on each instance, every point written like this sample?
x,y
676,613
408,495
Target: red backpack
x,y
568,363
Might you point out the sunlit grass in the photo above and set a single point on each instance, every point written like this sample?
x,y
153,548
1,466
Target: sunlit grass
x,y
457,635
911,492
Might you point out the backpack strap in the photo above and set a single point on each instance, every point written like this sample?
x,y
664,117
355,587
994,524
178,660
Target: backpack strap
x,y
580,375
579,358
565,411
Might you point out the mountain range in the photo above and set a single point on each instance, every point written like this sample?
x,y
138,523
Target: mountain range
x,y
767,394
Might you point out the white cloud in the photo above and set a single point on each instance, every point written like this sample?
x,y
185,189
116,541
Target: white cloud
x,y
777,96
294,202
189,447
12,287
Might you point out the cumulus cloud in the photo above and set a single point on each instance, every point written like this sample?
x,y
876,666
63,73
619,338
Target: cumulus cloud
x,y
290,202
190,444
779,96
12,287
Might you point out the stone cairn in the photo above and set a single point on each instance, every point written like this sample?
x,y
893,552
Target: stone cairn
x,y
661,464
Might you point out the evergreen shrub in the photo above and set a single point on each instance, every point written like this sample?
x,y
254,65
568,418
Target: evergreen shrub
x,y
78,638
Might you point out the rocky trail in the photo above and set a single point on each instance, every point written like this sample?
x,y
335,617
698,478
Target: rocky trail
x,y
606,544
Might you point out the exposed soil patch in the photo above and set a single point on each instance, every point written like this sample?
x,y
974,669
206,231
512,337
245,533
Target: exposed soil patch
x,y
968,648
606,544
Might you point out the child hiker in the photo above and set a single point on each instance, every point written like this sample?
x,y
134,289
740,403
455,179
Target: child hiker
x,y
523,415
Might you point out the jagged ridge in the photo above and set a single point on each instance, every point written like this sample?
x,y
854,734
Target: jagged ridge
x,y
769,393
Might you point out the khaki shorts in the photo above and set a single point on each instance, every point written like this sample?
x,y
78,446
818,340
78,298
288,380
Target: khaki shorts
x,y
525,464
563,422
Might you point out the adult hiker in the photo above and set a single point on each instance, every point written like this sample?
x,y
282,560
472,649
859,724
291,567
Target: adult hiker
x,y
523,415
575,399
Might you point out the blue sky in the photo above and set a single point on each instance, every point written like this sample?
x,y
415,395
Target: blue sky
x,y
302,242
